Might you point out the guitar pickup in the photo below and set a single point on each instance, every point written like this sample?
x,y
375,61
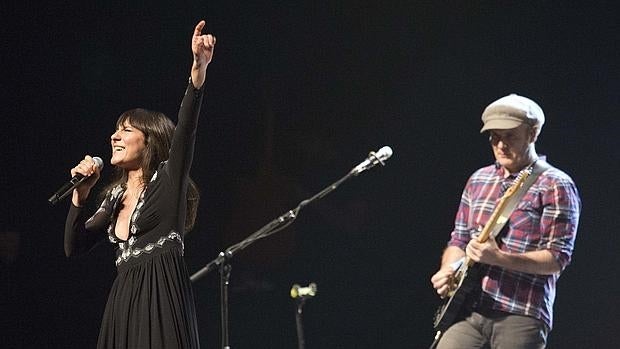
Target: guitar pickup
x,y
501,220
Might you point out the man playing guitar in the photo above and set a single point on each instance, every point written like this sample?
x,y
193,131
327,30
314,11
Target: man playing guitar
x,y
512,304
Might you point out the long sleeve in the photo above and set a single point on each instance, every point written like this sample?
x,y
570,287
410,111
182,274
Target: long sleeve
x,y
78,237
182,147
461,234
83,233
560,218
182,150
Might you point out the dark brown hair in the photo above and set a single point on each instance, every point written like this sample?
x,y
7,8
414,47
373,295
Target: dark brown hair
x,y
158,130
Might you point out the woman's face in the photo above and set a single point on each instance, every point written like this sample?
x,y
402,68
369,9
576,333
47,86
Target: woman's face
x,y
128,144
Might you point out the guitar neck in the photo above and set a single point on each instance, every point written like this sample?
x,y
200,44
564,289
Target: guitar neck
x,y
499,208
488,227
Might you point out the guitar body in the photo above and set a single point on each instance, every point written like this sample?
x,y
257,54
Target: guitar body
x,y
469,287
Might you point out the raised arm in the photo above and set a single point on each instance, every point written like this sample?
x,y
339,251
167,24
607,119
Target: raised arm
x,y
182,147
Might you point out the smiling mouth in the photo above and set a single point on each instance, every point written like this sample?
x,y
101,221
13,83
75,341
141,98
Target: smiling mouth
x,y
118,148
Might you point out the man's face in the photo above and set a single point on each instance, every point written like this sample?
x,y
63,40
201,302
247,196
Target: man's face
x,y
510,147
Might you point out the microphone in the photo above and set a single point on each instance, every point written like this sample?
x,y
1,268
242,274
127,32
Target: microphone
x,y
303,292
68,187
373,158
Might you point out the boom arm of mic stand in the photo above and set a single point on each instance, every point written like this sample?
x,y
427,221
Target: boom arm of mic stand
x,y
270,228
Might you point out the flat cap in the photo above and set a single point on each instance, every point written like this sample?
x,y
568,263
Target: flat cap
x,y
510,112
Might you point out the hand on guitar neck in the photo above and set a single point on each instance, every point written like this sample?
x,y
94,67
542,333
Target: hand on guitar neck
x,y
487,252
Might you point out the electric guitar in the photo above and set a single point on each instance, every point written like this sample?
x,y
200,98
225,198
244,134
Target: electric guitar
x,y
466,280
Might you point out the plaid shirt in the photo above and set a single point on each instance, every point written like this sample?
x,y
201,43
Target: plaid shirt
x,y
545,218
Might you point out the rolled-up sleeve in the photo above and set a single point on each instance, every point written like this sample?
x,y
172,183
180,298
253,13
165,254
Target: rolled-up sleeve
x,y
461,234
560,219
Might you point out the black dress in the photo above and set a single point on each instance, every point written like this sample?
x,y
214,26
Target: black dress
x,y
151,304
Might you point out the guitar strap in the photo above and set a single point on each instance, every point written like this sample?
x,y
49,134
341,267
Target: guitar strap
x,y
539,167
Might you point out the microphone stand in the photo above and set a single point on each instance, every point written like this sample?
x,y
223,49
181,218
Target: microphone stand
x,y
223,260
301,343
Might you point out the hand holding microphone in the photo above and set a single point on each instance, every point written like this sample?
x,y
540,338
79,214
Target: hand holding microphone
x,y
83,178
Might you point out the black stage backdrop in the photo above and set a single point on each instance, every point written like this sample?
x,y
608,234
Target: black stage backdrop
x,y
298,93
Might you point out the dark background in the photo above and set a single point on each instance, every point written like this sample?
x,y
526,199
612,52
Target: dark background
x,y
298,93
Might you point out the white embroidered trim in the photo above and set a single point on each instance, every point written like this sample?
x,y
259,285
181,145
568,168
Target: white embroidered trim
x,y
128,251
133,228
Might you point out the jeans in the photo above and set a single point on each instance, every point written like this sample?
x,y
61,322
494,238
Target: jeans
x,y
495,330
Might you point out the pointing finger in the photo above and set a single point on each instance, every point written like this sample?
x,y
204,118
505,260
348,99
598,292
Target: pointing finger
x,y
198,28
